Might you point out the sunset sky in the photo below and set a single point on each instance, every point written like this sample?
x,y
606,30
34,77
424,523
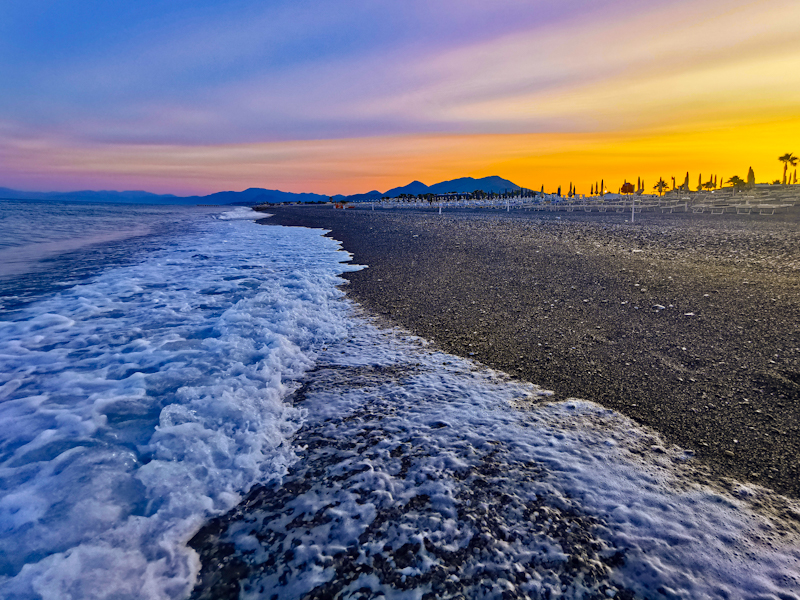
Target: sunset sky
x,y
346,96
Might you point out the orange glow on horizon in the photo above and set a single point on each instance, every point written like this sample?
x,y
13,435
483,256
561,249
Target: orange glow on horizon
x,y
608,92
350,166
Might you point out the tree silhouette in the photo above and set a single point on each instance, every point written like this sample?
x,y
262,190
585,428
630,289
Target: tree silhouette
x,y
787,159
751,178
627,188
737,182
660,186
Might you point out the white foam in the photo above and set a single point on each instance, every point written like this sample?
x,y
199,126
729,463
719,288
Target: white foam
x,y
243,213
382,398
138,404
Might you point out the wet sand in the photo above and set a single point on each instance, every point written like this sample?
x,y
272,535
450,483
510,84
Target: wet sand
x,y
573,302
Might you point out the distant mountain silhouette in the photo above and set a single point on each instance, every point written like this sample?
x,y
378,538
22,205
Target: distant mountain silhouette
x,y
135,196
464,185
248,197
373,195
253,196
415,187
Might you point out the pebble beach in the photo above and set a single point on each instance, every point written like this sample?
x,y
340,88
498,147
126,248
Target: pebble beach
x,y
686,323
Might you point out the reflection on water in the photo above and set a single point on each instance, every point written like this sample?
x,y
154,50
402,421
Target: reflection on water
x,y
17,260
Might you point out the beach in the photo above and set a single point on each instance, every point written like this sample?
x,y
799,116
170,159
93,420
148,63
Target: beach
x,y
685,323
223,409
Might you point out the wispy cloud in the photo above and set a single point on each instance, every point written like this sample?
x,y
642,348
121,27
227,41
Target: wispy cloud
x,y
126,89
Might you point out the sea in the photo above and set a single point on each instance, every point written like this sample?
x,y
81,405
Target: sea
x,y
191,407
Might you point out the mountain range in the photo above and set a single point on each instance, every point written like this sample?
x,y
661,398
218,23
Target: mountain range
x,y
253,196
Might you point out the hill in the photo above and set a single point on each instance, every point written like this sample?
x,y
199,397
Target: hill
x,y
253,196
463,185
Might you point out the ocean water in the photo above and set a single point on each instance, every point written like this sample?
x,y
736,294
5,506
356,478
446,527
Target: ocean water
x,y
160,366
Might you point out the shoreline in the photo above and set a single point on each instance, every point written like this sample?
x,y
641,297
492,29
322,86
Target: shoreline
x,y
571,303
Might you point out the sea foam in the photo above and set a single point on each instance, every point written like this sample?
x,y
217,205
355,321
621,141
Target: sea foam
x,y
422,473
141,402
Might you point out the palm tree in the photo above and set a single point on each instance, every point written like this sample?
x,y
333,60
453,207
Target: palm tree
x,y
660,186
787,159
737,182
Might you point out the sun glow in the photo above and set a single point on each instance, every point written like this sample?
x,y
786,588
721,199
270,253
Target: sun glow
x,y
707,86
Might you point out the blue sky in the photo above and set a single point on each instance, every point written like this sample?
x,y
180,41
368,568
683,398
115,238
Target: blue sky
x,y
89,80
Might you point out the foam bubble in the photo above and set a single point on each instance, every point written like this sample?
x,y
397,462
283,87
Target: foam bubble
x,y
424,473
138,404
242,213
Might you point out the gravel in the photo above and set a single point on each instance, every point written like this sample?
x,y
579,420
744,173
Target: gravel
x,y
687,323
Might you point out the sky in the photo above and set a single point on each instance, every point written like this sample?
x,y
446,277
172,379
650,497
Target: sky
x,y
347,96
